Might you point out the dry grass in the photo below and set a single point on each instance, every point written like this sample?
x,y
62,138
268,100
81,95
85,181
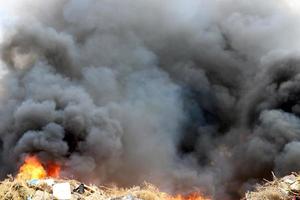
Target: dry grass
x,y
277,189
147,192
267,193
16,189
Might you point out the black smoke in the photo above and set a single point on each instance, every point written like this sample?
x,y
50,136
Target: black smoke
x,y
184,94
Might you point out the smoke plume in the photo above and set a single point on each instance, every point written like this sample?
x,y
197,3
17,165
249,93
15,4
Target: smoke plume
x,y
181,93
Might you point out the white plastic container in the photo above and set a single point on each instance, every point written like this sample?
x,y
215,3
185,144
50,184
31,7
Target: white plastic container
x,y
62,191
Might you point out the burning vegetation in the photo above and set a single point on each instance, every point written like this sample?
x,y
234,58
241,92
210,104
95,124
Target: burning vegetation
x,y
37,181
182,94
33,169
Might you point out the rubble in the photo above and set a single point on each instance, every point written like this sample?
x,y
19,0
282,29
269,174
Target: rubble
x,y
286,188
19,189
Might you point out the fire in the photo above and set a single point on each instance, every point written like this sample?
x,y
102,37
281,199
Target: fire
x,y
34,169
53,170
192,196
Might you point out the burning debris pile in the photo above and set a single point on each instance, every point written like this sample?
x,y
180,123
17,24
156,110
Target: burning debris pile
x,y
286,188
42,189
182,94
35,182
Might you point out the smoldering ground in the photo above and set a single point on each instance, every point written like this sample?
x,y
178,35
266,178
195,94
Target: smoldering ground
x,y
184,94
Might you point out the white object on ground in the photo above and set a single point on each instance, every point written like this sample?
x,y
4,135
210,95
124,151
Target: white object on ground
x,y
62,191
289,179
49,182
295,186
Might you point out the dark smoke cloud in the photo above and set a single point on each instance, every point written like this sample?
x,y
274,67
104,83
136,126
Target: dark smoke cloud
x,y
184,94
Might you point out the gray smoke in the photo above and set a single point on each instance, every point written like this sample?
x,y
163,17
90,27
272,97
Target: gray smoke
x,y
184,94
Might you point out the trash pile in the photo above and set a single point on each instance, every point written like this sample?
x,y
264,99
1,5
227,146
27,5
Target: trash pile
x,y
39,181
286,188
61,189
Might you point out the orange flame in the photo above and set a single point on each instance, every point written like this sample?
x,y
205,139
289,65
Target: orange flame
x,y
53,170
33,169
191,196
